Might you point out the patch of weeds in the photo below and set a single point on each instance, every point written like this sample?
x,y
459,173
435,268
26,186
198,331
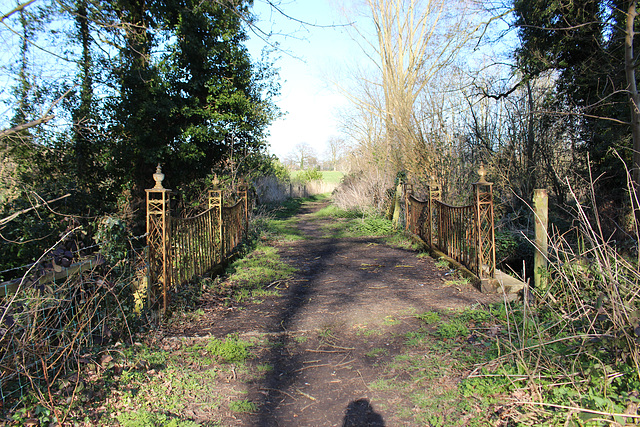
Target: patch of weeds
x,y
442,264
242,295
243,406
402,241
474,315
284,229
390,320
332,211
441,408
277,344
429,317
415,339
383,385
262,293
145,418
142,354
462,281
260,268
325,333
230,349
374,352
372,226
404,412
363,330
300,339
265,367
485,387
452,329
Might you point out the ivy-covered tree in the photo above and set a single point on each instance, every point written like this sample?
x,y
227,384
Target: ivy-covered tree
x,y
219,113
190,96
583,43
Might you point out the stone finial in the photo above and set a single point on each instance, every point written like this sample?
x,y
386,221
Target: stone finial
x,y
158,177
216,182
483,174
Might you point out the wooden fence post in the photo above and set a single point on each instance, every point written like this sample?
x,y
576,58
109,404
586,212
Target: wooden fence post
x,y
541,212
408,191
215,201
158,239
484,227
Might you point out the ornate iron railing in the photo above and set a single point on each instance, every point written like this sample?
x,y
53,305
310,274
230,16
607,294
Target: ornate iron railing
x,y
464,233
234,227
455,231
183,248
195,246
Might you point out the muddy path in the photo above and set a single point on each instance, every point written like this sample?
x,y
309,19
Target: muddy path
x,y
335,347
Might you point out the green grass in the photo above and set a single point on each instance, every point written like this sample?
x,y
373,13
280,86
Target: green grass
x,y
145,418
230,349
355,223
243,406
331,177
260,268
374,352
429,317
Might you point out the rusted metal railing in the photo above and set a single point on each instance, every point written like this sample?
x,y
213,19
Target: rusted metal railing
x,y
233,229
464,233
455,231
183,248
195,246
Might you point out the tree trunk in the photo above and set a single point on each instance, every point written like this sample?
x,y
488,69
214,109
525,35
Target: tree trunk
x,y
634,102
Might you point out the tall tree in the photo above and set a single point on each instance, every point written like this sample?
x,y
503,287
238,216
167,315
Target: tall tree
x,y
143,107
584,43
409,42
83,114
219,114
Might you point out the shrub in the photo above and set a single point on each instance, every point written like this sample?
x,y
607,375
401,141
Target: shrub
x,y
309,175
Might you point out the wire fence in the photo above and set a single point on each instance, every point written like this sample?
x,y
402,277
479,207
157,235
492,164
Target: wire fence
x,y
47,327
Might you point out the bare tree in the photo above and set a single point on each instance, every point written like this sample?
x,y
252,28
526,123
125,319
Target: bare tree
x,y
409,42
335,149
303,155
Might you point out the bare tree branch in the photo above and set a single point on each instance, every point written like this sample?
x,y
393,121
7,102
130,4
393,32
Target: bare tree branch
x,y
17,9
23,126
14,215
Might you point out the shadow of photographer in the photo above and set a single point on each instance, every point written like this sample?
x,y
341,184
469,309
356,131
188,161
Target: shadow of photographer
x,y
360,413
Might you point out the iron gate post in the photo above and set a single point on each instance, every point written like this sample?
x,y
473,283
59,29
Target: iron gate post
x,y
158,239
484,226
434,194
215,201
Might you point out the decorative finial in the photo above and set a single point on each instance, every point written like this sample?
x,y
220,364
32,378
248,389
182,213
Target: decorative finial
x,y
216,182
483,173
158,178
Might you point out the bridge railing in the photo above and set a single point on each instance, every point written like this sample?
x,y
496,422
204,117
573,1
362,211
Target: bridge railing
x,y
180,249
463,233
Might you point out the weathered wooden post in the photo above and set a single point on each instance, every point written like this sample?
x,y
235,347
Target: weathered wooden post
x,y
541,212
215,201
408,192
158,240
484,227
434,194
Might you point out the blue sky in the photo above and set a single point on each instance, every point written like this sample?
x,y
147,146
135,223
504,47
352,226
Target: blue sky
x,y
309,56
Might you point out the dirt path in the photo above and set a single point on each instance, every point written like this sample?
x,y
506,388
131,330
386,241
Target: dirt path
x,y
337,332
